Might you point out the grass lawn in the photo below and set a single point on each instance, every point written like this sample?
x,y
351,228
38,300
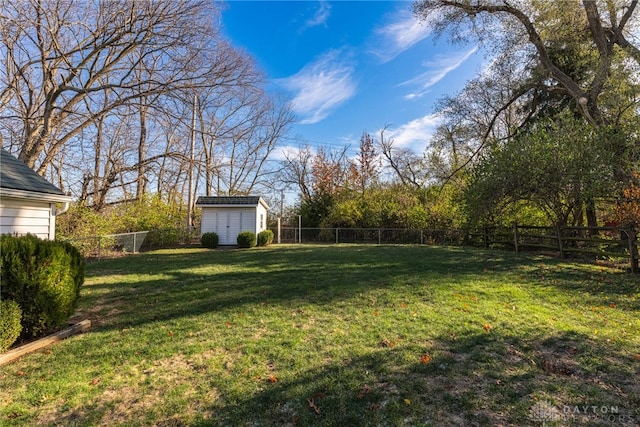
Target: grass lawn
x,y
340,336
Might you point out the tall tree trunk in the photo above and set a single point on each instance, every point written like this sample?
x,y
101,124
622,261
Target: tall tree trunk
x,y
97,194
141,181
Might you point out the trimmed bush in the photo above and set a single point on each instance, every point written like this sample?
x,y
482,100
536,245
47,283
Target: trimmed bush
x,y
246,239
10,323
209,240
265,238
44,277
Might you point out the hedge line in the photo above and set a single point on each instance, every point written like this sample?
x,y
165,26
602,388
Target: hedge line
x,y
44,278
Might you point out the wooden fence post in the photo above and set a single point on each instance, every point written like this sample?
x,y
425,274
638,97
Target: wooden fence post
x,y
516,236
560,242
486,236
633,248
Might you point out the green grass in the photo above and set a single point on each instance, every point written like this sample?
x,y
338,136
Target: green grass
x,y
337,336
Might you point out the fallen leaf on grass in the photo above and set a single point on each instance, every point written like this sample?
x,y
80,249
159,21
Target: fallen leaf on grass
x,y
95,381
487,327
21,373
425,359
407,402
366,389
637,357
272,379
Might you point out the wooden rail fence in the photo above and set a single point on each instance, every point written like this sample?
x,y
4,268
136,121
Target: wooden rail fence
x,y
614,242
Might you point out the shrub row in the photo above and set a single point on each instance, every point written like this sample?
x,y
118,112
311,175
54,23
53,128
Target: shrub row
x,y
246,239
43,278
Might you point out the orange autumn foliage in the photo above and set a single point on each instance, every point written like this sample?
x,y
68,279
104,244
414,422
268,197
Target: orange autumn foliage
x,y
628,208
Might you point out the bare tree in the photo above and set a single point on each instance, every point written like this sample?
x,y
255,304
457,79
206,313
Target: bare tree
x,y
534,30
249,146
296,171
406,165
60,57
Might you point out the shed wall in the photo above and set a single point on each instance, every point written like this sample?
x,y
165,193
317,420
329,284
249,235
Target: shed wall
x,y
228,222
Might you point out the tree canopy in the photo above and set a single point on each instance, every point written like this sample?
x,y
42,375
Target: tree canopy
x,y
553,119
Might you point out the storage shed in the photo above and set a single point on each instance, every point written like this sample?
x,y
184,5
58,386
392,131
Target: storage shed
x,y
227,216
28,202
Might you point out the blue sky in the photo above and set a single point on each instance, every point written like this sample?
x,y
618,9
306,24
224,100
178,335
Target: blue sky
x,y
351,66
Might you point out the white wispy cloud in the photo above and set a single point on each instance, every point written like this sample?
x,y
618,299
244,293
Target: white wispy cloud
x,y
321,86
320,17
416,133
401,32
436,71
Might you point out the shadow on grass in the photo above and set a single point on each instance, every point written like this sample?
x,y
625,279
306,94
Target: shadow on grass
x,y
479,380
321,275
472,378
598,285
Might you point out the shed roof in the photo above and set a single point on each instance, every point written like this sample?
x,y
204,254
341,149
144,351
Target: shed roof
x,y
16,177
231,201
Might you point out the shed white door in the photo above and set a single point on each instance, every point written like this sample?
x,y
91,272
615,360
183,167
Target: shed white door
x,y
229,226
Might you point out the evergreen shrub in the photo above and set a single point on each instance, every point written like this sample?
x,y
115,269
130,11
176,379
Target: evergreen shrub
x,y
265,238
209,240
246,239
10,323
44,277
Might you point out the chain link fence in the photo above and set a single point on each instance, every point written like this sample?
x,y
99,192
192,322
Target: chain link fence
x,y
113,245
371,235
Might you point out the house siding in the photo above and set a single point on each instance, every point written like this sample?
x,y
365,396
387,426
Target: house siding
x,y
27,217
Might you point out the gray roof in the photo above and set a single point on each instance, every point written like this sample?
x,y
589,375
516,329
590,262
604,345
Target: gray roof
x,y
230,200
15,175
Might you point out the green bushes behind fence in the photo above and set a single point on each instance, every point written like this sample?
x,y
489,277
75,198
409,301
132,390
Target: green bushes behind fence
x,y
44,278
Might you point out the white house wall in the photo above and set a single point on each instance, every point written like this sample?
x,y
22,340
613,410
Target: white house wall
x,y
26,216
